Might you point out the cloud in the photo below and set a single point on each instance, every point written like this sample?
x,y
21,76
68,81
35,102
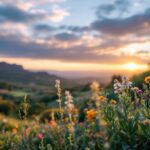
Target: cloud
x,y
132,25
14,14
76,29
56,1
44,28
104,10
68,28
58,14
118,8
14,46
25,6
39,2
66,36
96,42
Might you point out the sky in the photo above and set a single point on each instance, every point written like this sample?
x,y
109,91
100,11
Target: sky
x,y
85,36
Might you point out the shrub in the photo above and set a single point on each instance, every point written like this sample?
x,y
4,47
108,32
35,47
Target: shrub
x,y
6,107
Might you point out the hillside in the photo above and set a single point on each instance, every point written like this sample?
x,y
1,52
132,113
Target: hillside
x,y
17,74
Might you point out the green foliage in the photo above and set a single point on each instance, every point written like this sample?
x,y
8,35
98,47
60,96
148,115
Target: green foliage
x,y
100,124
5,85
138,79
6,107
36,109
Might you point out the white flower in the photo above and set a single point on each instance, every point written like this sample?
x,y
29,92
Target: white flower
x,y
58,88
57,83
125,84
69,102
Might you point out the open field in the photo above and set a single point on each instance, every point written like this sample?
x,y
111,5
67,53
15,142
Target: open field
x,y
96,123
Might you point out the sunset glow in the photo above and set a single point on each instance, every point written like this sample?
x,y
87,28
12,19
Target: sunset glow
x,y
133,66
53,35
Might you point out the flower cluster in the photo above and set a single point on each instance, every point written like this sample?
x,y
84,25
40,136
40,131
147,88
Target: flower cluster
x,y
95,90
137,90
69,106
58,88
119,123
91,114
121,86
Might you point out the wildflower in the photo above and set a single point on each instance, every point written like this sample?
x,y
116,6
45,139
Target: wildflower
x,y
113,102
94,86
71,127
27,132
40,136
75,111
146,122
58,88
101,98
139,91
125,84
59,100
147,79
91,114
69,104
52,123
95,90
14,130
103,123
117,86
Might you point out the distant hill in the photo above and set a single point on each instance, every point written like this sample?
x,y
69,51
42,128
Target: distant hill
x,y
17,74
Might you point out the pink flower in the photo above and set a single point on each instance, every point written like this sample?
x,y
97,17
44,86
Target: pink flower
x,y
28,131
139,91
40,136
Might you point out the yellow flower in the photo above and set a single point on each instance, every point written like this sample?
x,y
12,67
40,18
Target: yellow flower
x,y
101,98
113,102
91,114
147,79
1,143
103,123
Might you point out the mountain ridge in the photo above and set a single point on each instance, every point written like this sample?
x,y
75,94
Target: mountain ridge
x,y
17,74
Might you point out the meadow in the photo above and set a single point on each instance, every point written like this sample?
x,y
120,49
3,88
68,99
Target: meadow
x,y
101,123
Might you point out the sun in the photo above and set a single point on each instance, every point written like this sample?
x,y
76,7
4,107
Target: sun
x,y
131,66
